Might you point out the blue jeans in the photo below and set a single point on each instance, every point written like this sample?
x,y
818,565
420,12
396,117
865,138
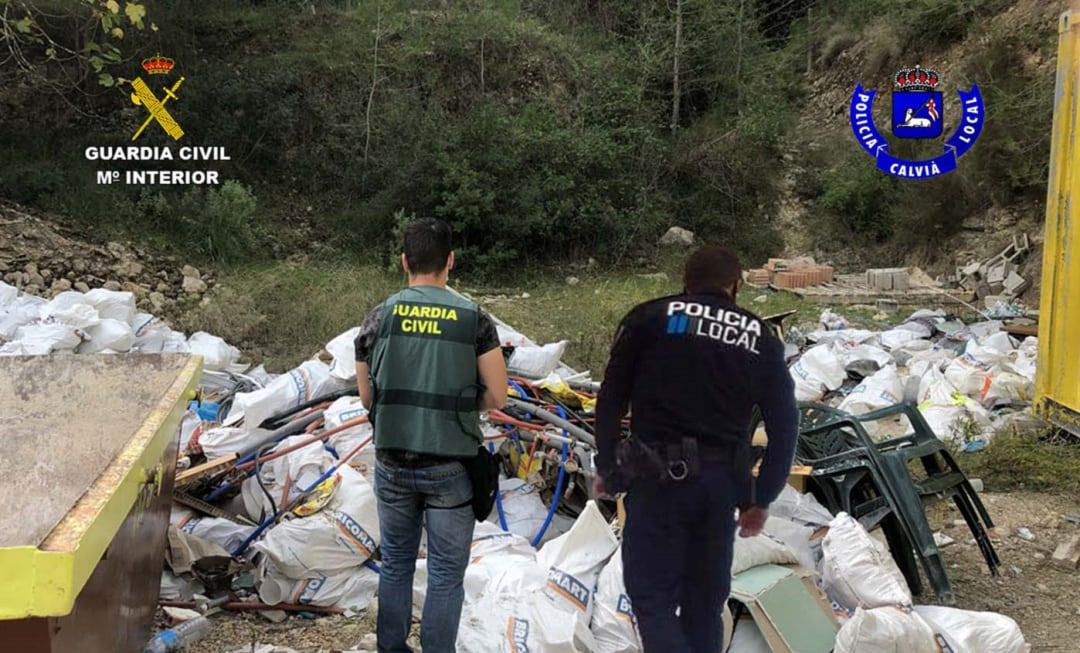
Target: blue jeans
x,y
405,496
677,548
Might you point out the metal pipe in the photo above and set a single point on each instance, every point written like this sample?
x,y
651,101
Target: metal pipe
x,y
356,421
251,605
554,420
292,428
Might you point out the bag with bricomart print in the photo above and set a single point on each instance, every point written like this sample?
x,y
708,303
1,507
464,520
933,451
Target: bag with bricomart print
x,y
544,605
613,623
341,536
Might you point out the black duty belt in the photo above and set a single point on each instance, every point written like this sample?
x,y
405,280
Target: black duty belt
x,y
678,461
402,458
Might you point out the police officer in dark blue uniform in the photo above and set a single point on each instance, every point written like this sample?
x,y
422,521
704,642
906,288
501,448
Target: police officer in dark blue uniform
x,y
691,368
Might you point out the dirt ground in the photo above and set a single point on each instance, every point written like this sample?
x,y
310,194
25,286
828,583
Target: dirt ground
x,y
1042,598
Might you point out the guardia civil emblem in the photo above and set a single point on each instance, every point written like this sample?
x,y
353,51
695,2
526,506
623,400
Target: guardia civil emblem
x,y
917,113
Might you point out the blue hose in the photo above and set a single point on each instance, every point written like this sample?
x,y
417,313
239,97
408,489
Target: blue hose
x,y
272,518
498,497
516,386
558,484
370,564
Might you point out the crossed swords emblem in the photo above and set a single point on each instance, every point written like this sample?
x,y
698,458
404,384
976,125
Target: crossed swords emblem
x,y
143,96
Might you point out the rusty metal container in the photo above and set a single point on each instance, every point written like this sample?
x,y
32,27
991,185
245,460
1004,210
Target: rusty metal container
x,y
87,457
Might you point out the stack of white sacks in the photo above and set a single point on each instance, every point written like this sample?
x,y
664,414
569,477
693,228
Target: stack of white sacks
x,y
98,322
955,390
878,614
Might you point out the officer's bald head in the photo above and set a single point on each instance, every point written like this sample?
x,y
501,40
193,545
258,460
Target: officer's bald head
x,y
712,269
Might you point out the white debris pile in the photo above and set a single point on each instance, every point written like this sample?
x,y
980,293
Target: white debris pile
x,y
965,379
877,611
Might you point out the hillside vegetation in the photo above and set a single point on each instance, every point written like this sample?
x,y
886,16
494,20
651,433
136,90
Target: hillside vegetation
x,y
544,131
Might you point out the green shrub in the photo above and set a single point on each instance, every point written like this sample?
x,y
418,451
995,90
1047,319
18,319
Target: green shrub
x,y
858,200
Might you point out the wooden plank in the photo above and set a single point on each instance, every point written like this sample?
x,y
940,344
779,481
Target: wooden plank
x,y
1022,329
199,472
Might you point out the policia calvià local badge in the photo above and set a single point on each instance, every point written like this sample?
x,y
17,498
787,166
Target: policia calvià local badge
x,y
917,113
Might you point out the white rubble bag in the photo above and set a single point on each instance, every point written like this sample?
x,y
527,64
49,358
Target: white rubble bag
x,y
226,534
613,623
190,429
747,638
217,354
343,442
818,370
301,468
899,337
522,507
796,537
224,440
69,307
17,312
304,383
153,336
343,349
113,304
493,551
8,294
970,372
575,558
39,339
544,605
764,549
800,508
1007,386
887,629
341,536
974,632
948,412
534,362
857,570
352,589
879,390
111,334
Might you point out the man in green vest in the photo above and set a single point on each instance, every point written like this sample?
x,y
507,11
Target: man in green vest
x,y
427,363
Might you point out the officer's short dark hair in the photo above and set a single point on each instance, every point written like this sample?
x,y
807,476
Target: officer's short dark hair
x,y
427,245
712,269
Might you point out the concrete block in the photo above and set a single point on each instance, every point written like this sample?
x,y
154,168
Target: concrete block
x,y
997,274
1015,284
1067,554
900,280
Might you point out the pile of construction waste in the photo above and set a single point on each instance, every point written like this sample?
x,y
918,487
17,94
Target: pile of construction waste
x,y
968,380
275,505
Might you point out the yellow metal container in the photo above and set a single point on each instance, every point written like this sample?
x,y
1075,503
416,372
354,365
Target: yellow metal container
x,y
1057,385
87,457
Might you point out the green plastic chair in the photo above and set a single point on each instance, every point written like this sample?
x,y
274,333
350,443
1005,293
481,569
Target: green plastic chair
x,y
888,476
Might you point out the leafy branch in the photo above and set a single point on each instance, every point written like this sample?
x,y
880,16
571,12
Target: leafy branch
x,y
29,38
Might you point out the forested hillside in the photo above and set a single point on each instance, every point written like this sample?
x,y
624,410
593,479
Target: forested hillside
x,y
544,131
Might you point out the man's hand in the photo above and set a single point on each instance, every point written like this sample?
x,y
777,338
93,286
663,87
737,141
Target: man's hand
x,y
752,521
599,489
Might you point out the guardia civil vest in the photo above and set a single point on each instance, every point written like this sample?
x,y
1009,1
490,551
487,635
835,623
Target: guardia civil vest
x,y
424,374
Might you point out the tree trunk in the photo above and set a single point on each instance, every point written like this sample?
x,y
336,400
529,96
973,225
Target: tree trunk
x,y
675,90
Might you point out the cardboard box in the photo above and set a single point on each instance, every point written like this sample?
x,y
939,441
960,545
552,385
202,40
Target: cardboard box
x,y
788,608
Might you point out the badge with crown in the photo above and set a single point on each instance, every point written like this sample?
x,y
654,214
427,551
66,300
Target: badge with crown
x,y
916,105
144,96
917,113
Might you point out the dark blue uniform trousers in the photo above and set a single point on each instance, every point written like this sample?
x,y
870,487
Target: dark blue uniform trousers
x,y
677,548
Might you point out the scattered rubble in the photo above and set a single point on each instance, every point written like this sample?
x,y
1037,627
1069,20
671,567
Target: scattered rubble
x,y
39,258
